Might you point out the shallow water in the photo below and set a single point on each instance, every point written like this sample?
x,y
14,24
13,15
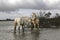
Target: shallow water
x,y
6,33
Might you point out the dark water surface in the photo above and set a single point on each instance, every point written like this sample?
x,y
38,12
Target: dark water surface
x,y
6,33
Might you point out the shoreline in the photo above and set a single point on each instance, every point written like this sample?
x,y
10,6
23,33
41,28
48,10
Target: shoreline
x,y
6,20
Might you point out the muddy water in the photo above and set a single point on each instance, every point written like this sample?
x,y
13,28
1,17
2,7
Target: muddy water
x,y
6,33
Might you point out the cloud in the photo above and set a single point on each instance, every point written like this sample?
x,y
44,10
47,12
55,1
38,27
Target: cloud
x,y
11,5
52,4
17,13
15,4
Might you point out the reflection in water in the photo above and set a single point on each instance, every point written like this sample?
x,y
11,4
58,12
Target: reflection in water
x,y
19,36
34,35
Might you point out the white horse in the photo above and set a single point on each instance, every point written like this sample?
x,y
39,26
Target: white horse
x,y
35,20
22,21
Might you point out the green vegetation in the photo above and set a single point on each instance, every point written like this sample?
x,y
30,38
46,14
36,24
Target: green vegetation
x,y
46,21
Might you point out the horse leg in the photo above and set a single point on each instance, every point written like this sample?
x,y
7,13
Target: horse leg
x,y
32,26
15,29
23,28
19,27
15,24
38,26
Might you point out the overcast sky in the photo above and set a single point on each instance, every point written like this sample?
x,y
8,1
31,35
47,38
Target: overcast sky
x,y
28,6
11,5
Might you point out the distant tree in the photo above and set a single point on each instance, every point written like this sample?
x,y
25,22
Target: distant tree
x,y
57,15
48,14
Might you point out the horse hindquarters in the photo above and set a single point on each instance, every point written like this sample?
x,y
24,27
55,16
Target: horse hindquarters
x,y
16,23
